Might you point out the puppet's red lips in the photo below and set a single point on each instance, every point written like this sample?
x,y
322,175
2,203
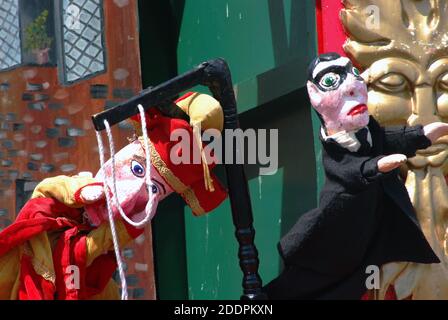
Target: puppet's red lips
x,y
358,110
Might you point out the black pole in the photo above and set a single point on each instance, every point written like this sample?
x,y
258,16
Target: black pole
x,y
218,78
214,74
149,98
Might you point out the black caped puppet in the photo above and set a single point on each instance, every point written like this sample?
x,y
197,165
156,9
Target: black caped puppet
x,y
365,216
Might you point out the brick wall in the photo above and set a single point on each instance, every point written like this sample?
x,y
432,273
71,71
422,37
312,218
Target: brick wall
x,y
46,130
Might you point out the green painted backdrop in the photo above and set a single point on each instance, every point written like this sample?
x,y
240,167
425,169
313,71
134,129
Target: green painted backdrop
x,y
268,45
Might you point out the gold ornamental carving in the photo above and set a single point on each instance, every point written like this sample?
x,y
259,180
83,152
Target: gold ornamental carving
x,y
402,46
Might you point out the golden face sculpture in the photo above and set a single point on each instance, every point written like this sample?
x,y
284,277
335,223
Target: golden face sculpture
x,y
402,47
405,53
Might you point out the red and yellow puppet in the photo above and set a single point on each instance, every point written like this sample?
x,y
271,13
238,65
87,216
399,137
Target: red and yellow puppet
x,y
65,223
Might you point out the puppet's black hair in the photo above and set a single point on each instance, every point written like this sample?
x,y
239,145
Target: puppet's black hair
x,y
330,56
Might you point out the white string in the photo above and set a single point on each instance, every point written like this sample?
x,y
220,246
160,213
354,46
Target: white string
x,y
124,287
147,147
147,175
124,291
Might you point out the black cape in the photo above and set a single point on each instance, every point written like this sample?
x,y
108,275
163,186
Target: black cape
x,y
364,218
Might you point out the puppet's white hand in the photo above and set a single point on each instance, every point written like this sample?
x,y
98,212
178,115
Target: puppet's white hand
x,y
92,194
391,162
435,130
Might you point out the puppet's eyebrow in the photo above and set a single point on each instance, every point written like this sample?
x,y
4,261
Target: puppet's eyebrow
x,y
327,65
160,184
140,159
334,69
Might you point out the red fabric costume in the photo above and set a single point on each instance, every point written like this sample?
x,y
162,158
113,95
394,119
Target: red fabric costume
x,y
48,215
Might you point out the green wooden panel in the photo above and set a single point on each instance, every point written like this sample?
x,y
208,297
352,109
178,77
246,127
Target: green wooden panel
x,y
168,229
268,44
265,42
212,250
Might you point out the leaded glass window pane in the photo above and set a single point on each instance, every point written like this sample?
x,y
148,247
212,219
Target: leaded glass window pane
x,y
83,39
10,46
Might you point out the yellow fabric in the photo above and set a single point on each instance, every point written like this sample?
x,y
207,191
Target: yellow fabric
x,y
10,274
39,249
62,188
98,241
208,181
204,110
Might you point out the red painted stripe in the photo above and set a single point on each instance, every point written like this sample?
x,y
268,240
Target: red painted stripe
x,y
320,27
331,35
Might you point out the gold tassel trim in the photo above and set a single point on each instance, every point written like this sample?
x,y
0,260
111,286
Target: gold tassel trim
x,y
208,181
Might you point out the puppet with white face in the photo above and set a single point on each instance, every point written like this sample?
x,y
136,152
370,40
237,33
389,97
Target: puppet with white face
x,y
339,95
66,222
365,216
133,194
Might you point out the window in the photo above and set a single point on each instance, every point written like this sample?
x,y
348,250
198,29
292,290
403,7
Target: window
x,y
10,45
68,34
38,39
82,39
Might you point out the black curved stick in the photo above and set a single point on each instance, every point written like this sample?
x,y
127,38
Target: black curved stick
x,y
217,77
214,74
